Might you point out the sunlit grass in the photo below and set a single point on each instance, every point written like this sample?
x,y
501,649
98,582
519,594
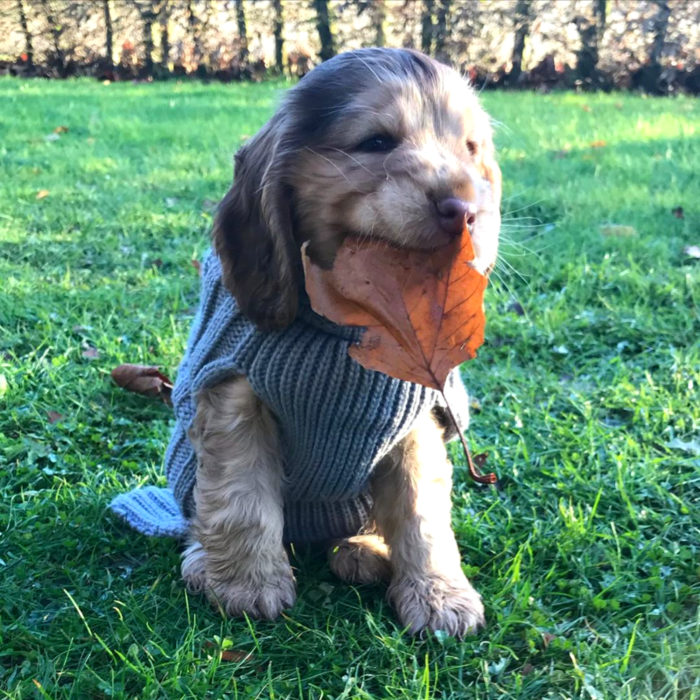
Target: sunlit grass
x,y
587,558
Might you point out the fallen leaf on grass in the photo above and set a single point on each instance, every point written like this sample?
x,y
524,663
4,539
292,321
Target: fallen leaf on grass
x,y
54,416
692,251
586,108
61,129
229,654
547,639
143,379
197,266
618,230
91,353
42,193
422,310
598,144
678,212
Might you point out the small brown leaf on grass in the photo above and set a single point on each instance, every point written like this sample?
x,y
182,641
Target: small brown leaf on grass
x,y
61,129
692,251
422,310
91,353
598,144
586,108
54,416
235,655
197,266
678,212
143,379
547,638
42,193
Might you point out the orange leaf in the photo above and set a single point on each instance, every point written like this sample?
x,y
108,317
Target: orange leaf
x,y
42,193
60,129
598,144
423,310
143,379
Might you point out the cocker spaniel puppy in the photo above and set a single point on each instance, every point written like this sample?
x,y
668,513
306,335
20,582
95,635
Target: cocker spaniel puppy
x,y
281,436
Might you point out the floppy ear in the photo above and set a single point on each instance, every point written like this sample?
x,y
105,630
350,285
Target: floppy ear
x,y
253,233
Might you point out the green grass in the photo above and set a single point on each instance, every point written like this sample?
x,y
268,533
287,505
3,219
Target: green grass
x,y
587,558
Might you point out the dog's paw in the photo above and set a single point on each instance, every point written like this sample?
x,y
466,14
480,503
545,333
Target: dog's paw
x,y
192,568
360,559
265,598
433,603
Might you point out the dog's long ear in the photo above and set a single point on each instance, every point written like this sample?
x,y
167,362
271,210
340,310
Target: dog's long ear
x,y
253,233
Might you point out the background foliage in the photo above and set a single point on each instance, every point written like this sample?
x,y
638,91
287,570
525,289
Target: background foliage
x,y
649,44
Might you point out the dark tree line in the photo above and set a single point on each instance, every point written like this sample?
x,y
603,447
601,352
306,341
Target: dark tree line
x,y
649,44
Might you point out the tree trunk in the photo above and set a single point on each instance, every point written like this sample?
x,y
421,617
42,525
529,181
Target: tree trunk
x,y
109,36
55,30
28,48
148,17
379,20
323,25
441,30
591,32
242,31
164,20
522,29
279,35
426,27
193,25
660,27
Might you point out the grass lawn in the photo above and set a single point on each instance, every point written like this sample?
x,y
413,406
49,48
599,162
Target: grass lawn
x,y
587,558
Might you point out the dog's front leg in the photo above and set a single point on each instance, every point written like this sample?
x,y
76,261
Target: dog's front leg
x,y
412,504
237,556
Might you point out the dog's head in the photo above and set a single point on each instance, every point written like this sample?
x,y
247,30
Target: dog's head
x,y
385,143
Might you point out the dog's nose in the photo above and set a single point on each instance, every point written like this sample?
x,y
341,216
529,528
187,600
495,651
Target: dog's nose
x,y
453,212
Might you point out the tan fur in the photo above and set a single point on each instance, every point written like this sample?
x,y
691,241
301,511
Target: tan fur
x,y
360,559
304,177
411,490
236,555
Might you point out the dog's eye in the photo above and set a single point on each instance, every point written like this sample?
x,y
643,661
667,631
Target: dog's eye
x,y
472,147
377,143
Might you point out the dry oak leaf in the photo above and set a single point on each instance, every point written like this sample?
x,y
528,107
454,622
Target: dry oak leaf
x,y
143,379
423,310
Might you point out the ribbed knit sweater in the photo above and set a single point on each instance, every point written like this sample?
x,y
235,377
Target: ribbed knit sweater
x,y
336,419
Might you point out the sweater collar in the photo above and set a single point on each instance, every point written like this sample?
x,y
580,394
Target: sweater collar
x,y
307,315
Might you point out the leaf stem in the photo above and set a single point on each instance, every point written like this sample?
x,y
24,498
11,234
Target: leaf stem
x,y
489,478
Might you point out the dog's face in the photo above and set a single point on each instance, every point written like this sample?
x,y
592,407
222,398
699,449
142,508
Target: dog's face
x,y
378,142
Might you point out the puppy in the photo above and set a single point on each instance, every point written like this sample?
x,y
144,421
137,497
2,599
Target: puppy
x,y
281,436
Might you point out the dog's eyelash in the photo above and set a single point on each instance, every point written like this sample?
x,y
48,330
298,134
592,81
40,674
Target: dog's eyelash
x,y
377,143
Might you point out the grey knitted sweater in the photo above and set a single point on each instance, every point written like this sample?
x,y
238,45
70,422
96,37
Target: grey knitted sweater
x,y
336,419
